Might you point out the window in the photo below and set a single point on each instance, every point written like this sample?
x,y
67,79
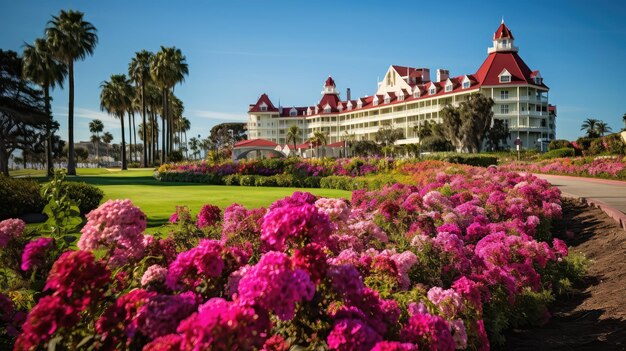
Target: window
x,y
327,109
504,95
293,113
543,122
448,88
416,94
466,85
387,99
505,79
263,108
504,109
432,91
401,97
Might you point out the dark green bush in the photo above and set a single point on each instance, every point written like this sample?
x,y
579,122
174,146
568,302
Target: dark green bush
x,y
19,196
175,156
465,159
87,196
584,143
559,153
265,181
247,180
596,147
231,179
559,144
284,180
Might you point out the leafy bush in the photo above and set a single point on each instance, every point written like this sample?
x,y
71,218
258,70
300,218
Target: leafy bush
x,y
559,153
247,180
87,196
465,159
175,156
596,147
559,144
231,179
19,196
265,181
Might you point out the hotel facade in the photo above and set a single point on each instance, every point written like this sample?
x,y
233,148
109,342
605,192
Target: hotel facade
x,y
408,97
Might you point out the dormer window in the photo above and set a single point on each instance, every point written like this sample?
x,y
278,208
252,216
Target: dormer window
x,y
327,108
387,99
375,101
309,111
317,110
538,80
505,76
293,112
416,94
448,88
359,104
432,90
401,97
349,105
466,85
263,107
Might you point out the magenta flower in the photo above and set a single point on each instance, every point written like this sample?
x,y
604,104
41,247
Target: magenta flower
x,y
34,253
209,215
10,229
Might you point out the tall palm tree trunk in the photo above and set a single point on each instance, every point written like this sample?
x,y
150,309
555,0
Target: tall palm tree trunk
x,y
186,145
49,164
154,137
130,137
163,127
134,135
124,166
145,131
71,161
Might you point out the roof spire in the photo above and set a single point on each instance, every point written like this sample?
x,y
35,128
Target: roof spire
x,y
502,20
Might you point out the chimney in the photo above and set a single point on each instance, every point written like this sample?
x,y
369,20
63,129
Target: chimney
x,y
442,74
348,97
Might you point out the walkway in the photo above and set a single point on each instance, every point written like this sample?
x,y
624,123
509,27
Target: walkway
x,y
609,195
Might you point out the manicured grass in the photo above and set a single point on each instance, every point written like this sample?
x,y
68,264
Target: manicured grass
x,y
158,200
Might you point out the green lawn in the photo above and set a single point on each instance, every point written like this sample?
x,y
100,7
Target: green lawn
x,y
159,199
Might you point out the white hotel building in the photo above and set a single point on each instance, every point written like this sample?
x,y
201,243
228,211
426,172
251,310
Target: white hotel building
x,y
407,96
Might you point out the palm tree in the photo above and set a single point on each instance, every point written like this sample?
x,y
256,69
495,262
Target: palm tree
x,y
71,38
624,120
107,138
602,128
194,145
318,139
293,134
139,72
589,125
185,126
154,104
96,127
167,68
115,98
43,69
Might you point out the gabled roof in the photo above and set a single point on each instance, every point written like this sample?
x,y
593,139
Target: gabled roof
x,y
496,62
263,99
256,143
503,32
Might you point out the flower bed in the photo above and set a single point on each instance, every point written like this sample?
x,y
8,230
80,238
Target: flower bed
x,y
596,167
296,172
446,264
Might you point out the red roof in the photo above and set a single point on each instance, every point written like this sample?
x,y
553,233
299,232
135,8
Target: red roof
x,y
329,82
256,143
337,144
496,62
503,32
263,99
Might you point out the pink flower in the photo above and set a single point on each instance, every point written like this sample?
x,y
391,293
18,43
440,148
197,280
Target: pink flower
x,y
10,229
194,266
276,285
34,253
291,224
155,274
429,332
394,346
209,215
160,314
352,335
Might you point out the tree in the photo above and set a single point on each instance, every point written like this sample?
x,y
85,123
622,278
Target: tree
x,y
318,139
115,99
43,69
167,68
194,145
107,138
139,72
365,148
23,117
498,132
466,126
589,125
602,128
82,153
624,121
96,127
293,134
71,38
184,127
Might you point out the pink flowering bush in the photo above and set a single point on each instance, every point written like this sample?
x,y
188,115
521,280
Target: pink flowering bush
x,y
445,263
600,167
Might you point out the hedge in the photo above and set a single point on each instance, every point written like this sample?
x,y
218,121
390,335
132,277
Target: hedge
x,y
559,153
465,159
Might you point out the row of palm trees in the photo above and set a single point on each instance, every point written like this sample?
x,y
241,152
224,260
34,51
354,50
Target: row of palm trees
x,y
318,139
596,128
49,60
149,90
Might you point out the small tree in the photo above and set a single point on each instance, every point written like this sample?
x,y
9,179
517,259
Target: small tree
x,y
499,132
589,126
293,134
466,126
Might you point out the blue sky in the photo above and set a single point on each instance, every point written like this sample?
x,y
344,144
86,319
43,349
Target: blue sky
x,y
237,50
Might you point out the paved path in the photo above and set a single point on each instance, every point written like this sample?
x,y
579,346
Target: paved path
x,y
609,195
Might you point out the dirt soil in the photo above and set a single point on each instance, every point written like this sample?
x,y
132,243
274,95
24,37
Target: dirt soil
x,y
594,316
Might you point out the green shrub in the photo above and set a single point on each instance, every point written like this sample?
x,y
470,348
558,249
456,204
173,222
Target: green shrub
x,y
559,144
231,179
559,153
247,180
284,180
584,143
465,159
87,196
19,196
265,181
175,156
